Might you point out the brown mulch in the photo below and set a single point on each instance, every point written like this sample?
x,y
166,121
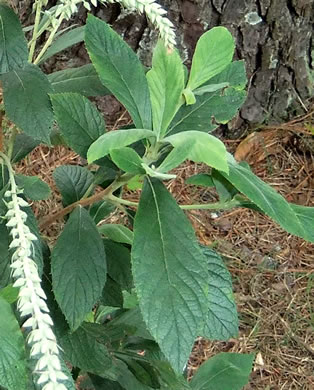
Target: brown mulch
x,y
273,271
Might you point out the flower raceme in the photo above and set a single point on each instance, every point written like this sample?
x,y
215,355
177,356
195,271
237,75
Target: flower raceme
x,y
31,299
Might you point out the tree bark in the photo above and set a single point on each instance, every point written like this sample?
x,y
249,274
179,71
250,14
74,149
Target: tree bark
x,y
274,37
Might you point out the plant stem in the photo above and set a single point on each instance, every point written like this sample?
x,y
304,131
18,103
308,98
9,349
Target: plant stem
x,y
11,142
212,206
1,130
115,199
49,40
107,192
33,41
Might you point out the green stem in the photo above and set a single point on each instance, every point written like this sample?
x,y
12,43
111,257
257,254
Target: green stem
x,y
116,200
49,40
11,142
33,41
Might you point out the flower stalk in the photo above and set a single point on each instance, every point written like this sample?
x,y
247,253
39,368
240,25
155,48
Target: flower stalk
x,y
32,299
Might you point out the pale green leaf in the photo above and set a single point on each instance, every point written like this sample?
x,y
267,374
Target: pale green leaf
x,y
83,80
128,160
166,84
224,371
78,267
9,293
222,320
205,148
13,45
117,233
119,69
114,140
174,302
26,101
201,179
13,364
79,120
214,51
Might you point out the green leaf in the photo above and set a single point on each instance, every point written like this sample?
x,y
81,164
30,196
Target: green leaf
x,y
79,120
117,233
83,80
124,78
226,191
222,320
214,51
176,157
119,264
199,116
112,294
166,84
33,187
5,257
13,45
13,374
224,371
114,140
68,39
234,74
306,216
201,179
82,350
78,267
210,88
101,210
72,181
205,148
268,200
127,160
174,302
23,145
26,101
9,293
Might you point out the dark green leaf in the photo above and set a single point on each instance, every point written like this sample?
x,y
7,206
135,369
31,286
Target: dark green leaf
x,y
101,210
105,384
79,120
26,101
114,140
78,267
5,258
72,181
127,160
119,264
268,200
23,145
83,80
13,45
222,319
144,372
13,362
224,371
33,187
112,294
224,188
213,52
169,378
117,233
83,351
64,41
174,302
124,78
201,179
166,84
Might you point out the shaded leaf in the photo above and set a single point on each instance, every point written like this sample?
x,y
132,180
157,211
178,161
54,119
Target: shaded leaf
x,y
201,179
117,233
5,257
33,187
23,145
173,303
111,294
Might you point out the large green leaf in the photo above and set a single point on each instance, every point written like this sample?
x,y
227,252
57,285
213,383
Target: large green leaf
x,y
205,148
26,101
128,160
222,319
72,181
166,84
64,41
82,350
224,371
23,145
78,267
214,105
83,80
112,294
79,120
5,258
306,217
234,74
269,201
33,187
167,254
13,45
119,69
214,51
115,139
13,364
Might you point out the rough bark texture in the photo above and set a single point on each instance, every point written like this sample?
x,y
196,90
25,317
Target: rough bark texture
x,y
273,36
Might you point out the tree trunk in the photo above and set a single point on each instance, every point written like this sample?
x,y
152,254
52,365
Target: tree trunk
x,y
274,37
